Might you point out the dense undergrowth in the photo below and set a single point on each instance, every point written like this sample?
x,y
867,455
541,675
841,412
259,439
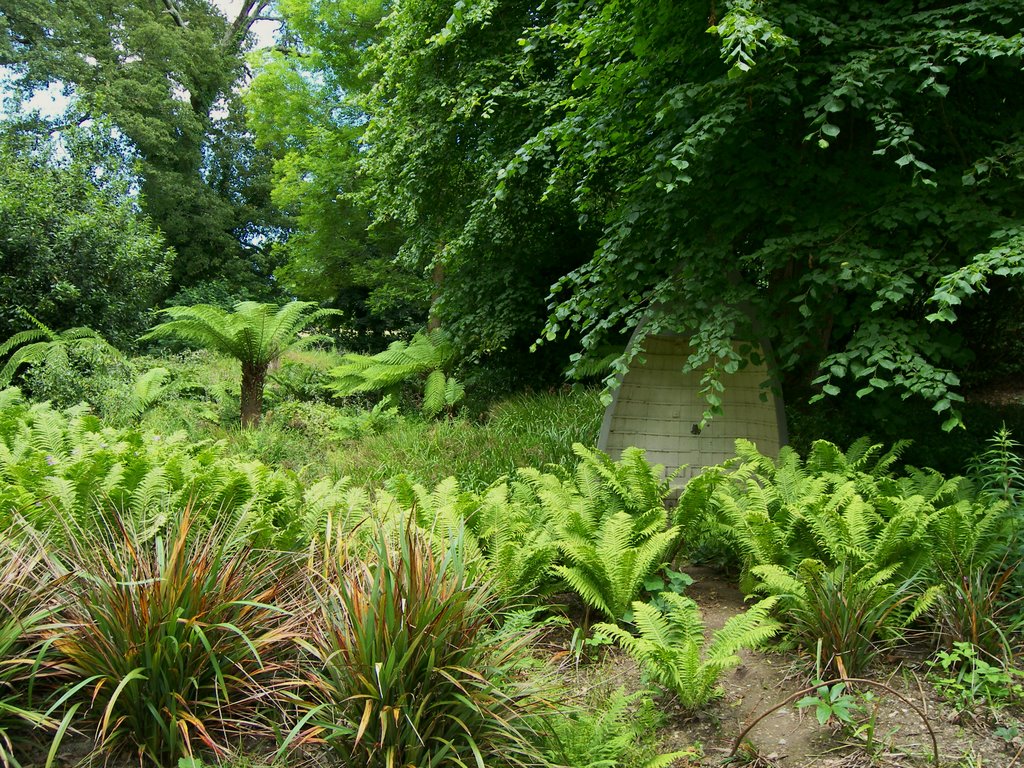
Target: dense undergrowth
x,y
357,584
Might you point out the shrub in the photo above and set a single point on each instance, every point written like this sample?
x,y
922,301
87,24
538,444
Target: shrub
x,y
406,665
426,356
173,640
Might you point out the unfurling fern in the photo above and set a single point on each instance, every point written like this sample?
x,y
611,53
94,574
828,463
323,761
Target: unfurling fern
x,y
671,650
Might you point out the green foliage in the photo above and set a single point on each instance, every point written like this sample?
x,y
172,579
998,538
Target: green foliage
x,y
613,731
965,679
855,712
162,76
406,665
608,131
608,520
847,616
67,469
53,351
525,431
607,561
854,551
1000,468
671,649
981,606
26,591
74,248
254,334
427,355
304,111
171,642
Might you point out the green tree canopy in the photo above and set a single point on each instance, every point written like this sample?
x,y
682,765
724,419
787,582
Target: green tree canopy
x,y
305,111
841,178
162,73
75,250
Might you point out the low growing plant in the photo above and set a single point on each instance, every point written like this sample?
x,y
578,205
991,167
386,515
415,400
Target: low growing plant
x,y
671,650
848,615
615,730
965,679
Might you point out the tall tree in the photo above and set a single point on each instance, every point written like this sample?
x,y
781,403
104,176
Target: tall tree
x,y
162,72
841,178
305,108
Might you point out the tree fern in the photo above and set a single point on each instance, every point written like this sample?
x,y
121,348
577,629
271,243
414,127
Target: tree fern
x,y
671,650
427,355
254,334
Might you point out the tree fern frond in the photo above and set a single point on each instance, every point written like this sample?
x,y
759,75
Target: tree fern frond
x,y
433,393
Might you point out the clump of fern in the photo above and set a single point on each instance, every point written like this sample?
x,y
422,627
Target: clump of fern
x,y
607,561
671,650
60,467
613,729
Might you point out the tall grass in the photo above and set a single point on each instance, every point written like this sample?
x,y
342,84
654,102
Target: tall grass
x,y
173,642
529,430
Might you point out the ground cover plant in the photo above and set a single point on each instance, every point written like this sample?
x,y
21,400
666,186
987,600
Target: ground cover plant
x,y
855,550
417,582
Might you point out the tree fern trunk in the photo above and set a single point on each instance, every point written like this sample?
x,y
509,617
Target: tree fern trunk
x,y
253,378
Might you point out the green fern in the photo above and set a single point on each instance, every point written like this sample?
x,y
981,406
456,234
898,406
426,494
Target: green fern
x,y
671,649
605,566
617,733
147,390
254,334
43,346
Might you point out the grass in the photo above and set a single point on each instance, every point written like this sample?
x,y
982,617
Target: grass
x,y
524,431
338,439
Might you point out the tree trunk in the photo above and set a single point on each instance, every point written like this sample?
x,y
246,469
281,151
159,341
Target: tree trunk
x,y
253,379
436,279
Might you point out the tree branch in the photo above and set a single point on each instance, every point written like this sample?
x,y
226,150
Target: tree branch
x,y
172,9
251,11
